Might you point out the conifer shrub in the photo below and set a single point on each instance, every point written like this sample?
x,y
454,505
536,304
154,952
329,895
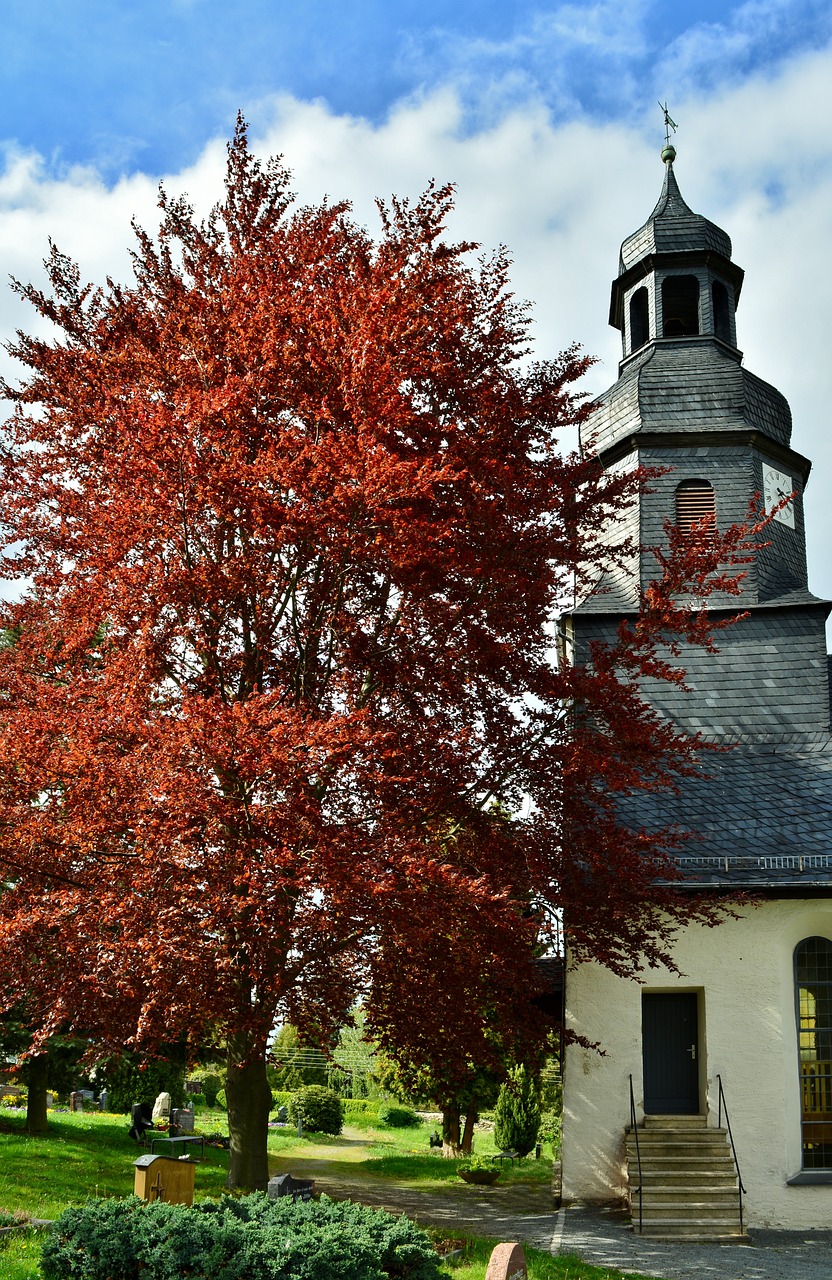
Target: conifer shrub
x,y
397,1117
517,1113
211,1087
320,1109
251,1238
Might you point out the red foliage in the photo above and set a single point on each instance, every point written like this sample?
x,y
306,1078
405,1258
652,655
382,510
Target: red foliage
x,y
296,525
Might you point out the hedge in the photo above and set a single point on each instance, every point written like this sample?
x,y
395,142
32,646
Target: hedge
x,y
361,1106
252,1238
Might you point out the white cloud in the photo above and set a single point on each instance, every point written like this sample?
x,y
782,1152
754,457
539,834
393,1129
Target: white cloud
x,y
753,158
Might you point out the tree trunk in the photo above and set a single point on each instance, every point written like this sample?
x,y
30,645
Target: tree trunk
x,y
468,1132
36,1120
249,1100
451,1148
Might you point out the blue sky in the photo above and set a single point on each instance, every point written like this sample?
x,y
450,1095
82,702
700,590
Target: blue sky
x,y
544,114
145,85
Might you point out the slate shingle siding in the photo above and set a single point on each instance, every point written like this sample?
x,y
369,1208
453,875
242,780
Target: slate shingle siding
x,y
769,677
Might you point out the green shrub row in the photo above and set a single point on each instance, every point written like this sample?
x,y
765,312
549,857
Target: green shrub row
x,y
361,1106
252,1238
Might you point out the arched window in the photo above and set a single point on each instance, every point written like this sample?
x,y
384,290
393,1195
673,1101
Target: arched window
x,y
722,315
813,994
639,319
680,306
695,500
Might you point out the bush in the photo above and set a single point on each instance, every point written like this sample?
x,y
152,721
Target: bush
x,y
196,1100
211,1087
517,1113
128,1080
281,1098
235,1239
320,1109
397,1117
550,1125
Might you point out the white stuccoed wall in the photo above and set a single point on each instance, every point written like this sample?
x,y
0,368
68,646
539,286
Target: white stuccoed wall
x,y
743,972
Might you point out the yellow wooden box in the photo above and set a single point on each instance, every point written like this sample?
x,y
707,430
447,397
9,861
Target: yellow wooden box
x,y
160,1178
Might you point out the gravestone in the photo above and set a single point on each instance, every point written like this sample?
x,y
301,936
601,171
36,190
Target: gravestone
x,y
507,1262
282,1114
103,1100
285,1185
182,1119
161,1107
76,1100
140,1120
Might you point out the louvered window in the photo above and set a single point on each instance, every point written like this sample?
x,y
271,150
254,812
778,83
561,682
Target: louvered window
x,y
694,501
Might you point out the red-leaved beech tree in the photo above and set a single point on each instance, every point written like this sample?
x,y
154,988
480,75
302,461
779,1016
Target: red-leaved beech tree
x,y
280,719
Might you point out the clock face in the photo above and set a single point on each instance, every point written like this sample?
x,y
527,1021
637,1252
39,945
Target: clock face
x,y
777,486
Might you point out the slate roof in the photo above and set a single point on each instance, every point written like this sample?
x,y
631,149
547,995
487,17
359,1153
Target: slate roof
x,y
679,384
673,228
761,814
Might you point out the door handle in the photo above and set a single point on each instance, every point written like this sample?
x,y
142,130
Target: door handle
x,y
692,1051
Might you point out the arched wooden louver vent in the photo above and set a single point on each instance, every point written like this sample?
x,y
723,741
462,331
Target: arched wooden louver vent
x,y
694,501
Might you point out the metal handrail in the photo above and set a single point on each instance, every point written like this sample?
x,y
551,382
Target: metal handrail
x,y
723,1104
638,1154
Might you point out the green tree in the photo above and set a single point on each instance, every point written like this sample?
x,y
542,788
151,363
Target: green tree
x,y
517,1113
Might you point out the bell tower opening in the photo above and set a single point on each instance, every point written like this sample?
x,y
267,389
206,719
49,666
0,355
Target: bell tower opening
x,y
639,319
680,306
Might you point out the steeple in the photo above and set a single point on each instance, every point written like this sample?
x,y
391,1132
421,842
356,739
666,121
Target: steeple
x,y
718,438
675,276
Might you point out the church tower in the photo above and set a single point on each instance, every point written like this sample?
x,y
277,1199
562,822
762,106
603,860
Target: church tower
x,y
750,1008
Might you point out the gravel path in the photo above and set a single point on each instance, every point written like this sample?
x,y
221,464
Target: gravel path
x,y
598,1236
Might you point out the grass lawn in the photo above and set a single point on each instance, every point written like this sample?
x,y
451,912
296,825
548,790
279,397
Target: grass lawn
x,y
91,1155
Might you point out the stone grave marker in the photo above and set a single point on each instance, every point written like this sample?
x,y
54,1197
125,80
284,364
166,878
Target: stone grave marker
x,y
76,1100
507,1262
182,1119
285,1185
161,1107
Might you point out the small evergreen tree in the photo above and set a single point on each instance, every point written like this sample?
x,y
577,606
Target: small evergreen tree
x,y
321,1110
517,1113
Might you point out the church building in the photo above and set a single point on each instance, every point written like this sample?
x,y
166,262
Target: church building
x,y
710,1109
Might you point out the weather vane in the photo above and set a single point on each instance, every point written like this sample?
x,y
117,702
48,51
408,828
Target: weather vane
x,y
668,124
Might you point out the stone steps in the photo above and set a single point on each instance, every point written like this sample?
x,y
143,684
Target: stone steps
x,y
688,1179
